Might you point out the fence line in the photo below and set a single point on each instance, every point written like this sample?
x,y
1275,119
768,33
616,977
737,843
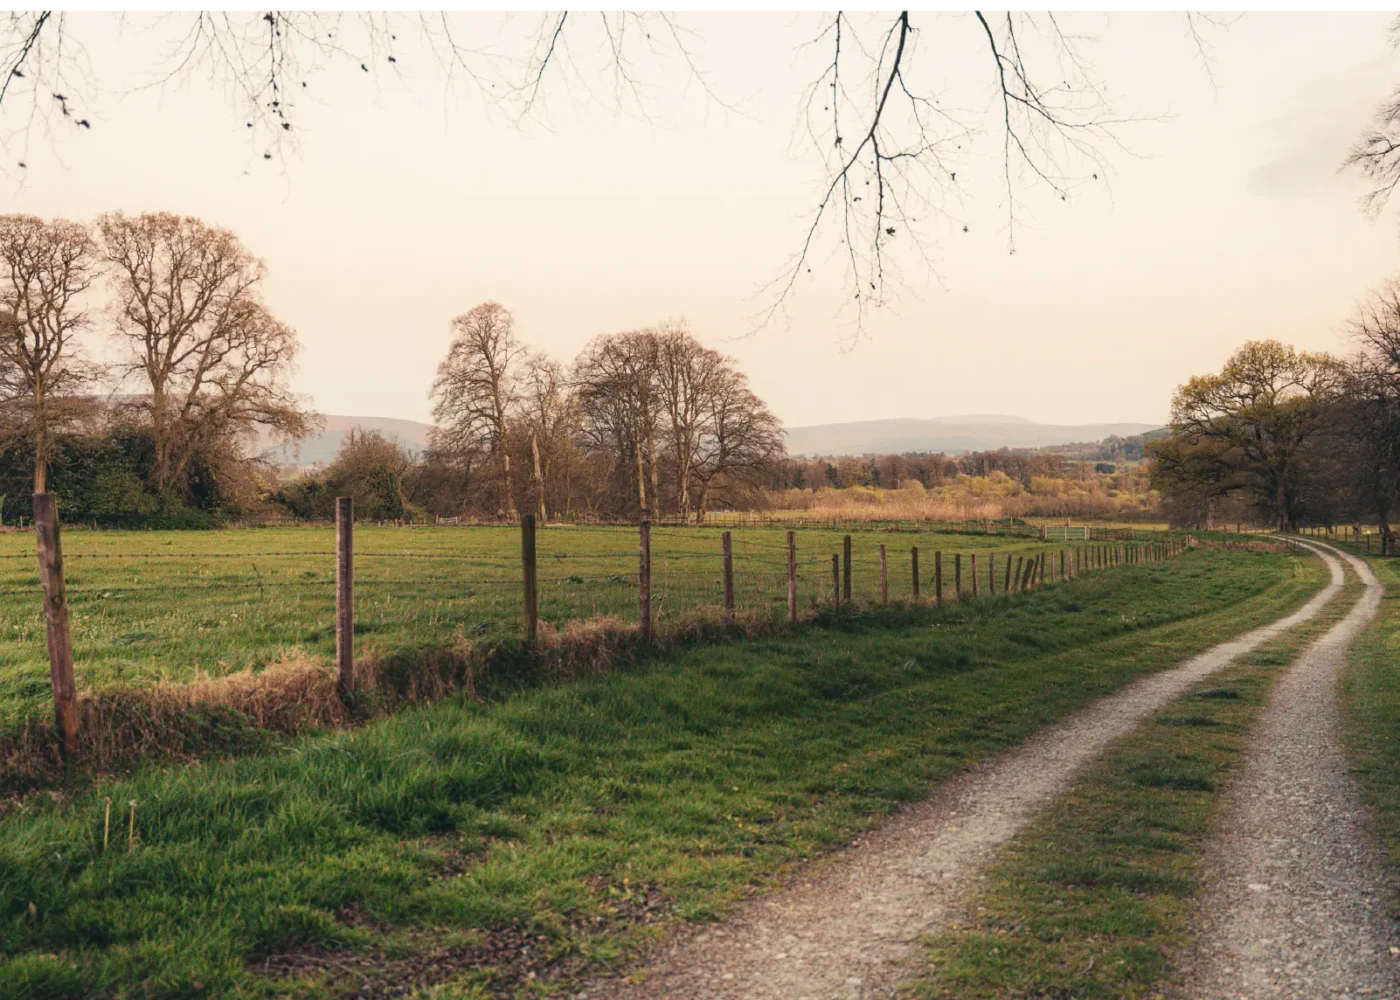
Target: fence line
x,y
1030,571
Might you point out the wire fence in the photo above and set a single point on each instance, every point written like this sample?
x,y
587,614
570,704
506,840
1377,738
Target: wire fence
x,y
167,606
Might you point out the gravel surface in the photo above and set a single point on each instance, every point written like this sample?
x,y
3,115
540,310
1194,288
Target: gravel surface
x,y
848,929
1296,899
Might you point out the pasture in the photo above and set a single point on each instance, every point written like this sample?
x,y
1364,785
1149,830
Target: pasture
x,y
168,606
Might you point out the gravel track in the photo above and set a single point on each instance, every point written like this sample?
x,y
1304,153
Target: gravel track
x,y
848,929
1295,903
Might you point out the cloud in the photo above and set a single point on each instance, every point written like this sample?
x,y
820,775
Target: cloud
x,y
1311,139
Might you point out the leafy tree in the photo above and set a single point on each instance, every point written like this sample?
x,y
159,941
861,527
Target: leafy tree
x,y
1248,427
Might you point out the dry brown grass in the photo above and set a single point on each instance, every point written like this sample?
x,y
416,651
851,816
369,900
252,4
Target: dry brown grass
x,y
120,726
1243,545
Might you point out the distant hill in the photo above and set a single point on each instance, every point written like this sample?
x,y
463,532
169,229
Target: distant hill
x,y
973,432
978,432
321,448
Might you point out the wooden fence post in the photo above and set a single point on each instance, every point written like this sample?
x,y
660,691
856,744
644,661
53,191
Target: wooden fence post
x,y
345,593
1020,581
65,691
957,576
846,571
644,579
914,560
884,578
529,573
835,580
973,570
792,577
727,544
938,577
991,574
1006,586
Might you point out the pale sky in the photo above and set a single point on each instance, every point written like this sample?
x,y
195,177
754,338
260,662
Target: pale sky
x,y
404,206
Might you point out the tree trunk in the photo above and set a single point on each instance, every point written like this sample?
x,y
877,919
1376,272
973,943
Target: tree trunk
x,y
539,478
655,475
41,441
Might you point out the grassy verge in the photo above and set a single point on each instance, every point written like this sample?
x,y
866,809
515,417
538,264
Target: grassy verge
x,y
1370,693
509,847
1092,900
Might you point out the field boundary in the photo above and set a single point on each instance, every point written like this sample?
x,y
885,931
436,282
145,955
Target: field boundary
x,y
115,724
118,726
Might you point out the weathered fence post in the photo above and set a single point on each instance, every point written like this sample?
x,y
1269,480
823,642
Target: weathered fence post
x,y
727,544
938,577
957,576
792,577
914,561
973,569
644,579
1006,586
65,693
1020,581
1064,565
835,580
345,593
846,571
530,576
991,574
884,578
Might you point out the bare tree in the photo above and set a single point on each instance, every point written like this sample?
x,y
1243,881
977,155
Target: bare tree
x,y
548,414
1370,421
48,266
1376,154
212,359
877,112
476,388
741,444
615,381
688,378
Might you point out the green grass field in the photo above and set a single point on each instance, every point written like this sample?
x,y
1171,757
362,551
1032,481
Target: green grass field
x,y
510,847
154,605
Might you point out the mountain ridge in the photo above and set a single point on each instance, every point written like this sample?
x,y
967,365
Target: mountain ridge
x,y
957,433
978,432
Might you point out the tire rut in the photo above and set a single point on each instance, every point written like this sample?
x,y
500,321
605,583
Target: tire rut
x,y
850,927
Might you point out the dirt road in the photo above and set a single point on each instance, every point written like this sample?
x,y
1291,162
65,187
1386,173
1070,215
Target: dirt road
x,y
849,930
1295,903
